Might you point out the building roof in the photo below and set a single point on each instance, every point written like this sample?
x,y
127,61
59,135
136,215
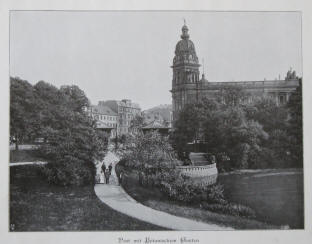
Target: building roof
x,y
250,84
128,103
155,125
101,109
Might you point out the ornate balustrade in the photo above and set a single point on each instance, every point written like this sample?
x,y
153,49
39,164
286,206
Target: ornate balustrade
x,y
206,174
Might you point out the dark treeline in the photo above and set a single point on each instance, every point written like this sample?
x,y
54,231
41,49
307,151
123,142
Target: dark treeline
x,y
241,135
58,117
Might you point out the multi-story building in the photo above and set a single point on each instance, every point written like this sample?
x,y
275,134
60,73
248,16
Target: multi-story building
x,y
106,118
126,111
187,87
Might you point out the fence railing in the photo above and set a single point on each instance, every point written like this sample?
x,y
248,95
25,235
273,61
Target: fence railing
x,y
206,173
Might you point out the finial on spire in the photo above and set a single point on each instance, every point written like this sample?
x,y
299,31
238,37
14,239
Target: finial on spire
x,y
184,35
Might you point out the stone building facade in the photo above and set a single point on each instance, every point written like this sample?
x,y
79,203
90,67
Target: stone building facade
x,y
126,111
106,118
187,87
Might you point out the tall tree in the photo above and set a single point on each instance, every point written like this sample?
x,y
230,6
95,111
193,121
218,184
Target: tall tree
x,y
76,98
186,128
266,111
295,127
22,110
73,143
224,128
232,95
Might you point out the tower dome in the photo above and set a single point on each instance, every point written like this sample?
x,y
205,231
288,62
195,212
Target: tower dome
x,y
185,49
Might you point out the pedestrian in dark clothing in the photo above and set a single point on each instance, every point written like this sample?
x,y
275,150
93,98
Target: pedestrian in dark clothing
x,y
110,167
120,178
103,167
107,175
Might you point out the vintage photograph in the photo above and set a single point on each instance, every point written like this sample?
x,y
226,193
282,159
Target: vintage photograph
x,y
155,120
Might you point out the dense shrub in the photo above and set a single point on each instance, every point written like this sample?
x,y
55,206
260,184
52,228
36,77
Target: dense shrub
x,y
215,194
70,154
73,172
231,209
186,190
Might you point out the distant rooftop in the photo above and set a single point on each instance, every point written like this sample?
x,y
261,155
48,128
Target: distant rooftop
x,y
128,103
102,110
155,125
262,83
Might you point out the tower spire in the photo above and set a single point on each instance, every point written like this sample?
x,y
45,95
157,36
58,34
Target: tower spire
x,y
185,34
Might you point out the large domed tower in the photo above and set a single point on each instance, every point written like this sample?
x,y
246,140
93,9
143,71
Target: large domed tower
x,y
185,73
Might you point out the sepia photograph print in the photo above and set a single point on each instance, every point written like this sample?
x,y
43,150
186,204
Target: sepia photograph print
x,y
155,121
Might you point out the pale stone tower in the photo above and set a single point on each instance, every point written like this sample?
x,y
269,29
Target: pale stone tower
x,y
185,73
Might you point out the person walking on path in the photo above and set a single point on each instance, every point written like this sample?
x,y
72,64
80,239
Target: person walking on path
x,y
120,178
107,175
103,167
110,167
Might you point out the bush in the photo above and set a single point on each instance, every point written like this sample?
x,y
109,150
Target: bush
x,y
185,190
74,172
71,153
215,194
231,209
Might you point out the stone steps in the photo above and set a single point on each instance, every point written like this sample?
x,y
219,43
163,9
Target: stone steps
x,y
198,159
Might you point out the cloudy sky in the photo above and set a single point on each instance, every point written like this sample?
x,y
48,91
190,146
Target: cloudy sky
x,y
116,55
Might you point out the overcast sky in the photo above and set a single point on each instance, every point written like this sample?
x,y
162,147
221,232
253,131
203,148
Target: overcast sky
x,y
116,55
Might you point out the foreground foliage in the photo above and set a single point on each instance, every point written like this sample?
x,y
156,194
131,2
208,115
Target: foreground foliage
x,y
35,205
71,141
149,153
154,198
151,156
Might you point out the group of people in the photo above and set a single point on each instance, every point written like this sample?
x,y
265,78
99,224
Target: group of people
x,y
108,171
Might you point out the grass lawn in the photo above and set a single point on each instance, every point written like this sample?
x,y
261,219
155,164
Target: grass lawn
x,y
155,199
37,206
24,156
276,194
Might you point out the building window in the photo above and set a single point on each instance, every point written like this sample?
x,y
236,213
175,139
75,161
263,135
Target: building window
x,y
282,99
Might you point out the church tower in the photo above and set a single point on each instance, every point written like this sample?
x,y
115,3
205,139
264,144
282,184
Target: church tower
x,y
185,73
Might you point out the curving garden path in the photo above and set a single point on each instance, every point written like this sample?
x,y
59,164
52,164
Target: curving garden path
x,y
115,197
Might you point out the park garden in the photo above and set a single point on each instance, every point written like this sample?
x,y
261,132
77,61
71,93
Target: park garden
x,y
59,195
258,147
241,136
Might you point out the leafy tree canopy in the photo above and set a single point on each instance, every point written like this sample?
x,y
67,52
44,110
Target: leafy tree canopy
x,y
72,142
243,132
